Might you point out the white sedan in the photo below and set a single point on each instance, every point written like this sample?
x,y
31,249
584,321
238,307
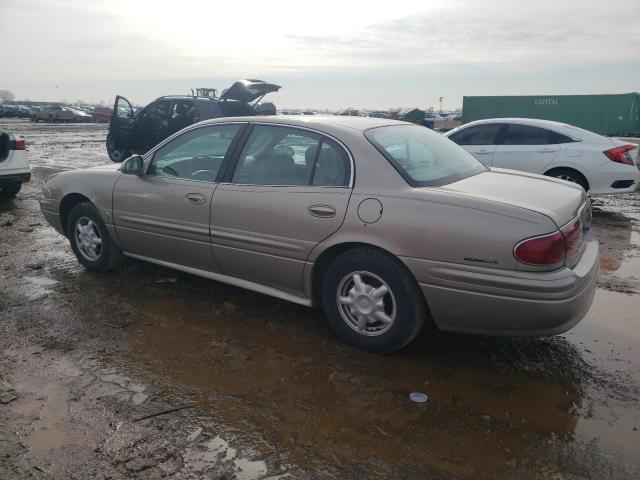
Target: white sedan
x,y
599,164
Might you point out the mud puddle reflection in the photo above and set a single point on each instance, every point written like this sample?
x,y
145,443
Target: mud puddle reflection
x,y
496,406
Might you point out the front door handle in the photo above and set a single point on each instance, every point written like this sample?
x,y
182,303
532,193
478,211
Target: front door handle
x,y
547,150
195,198
323,211
484,152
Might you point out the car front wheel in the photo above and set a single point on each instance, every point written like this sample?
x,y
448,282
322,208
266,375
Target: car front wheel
x,y
115,154
372,301
90,240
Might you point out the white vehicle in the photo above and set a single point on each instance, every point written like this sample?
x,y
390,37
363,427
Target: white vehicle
x,y
14,166
599,164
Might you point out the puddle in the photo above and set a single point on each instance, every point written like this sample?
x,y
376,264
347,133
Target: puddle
x,y
18,291
216,451
610,336
324,403
44,408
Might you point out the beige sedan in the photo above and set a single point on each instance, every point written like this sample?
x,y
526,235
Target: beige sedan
x,y
385,224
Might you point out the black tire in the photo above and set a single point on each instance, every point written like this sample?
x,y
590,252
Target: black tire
x,y
115,154
109,256
569,175
404,295
8,192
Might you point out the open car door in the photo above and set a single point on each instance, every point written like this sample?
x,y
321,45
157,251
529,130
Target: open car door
x,y
121,122
248,90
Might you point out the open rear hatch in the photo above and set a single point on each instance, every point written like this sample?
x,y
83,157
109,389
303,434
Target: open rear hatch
x,y
248,90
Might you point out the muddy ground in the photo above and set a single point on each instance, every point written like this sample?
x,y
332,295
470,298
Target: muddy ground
x,y
92,364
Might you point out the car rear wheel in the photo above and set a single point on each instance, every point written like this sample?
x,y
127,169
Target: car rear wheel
x,y
372,301
116,155
569,175
90,240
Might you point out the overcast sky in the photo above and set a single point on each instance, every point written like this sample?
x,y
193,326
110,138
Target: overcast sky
x,y
325,54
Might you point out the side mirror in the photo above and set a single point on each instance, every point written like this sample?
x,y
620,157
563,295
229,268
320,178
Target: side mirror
x,y
133,165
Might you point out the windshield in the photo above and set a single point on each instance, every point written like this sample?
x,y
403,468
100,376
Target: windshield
x,y
423,157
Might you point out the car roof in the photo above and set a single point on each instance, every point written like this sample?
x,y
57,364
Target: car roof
x,y
353,122
526,121
564,128
185,97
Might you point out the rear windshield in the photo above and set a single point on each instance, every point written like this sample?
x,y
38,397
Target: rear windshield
x,y
423,157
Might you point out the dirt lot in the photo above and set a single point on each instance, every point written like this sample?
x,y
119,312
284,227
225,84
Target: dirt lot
x,y
92,364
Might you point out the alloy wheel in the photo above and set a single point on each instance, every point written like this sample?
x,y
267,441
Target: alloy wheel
x,y
366,303
88,238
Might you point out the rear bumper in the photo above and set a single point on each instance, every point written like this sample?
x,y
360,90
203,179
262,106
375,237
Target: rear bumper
x,y
14,179
487,301
604,178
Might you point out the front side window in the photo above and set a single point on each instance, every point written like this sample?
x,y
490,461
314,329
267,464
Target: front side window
x,y
196,155
526,135
275,155
477,135
423,157
123,108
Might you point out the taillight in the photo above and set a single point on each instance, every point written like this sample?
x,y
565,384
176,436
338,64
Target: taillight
x,y
19,144
620,154
572,236
551,249
544,250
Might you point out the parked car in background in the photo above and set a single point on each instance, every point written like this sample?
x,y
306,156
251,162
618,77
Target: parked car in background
x,y
79,116
598,164
101,115
14,166
14,111
137,132
53,113
385,224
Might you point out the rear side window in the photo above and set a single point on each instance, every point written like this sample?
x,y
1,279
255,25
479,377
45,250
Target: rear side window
x,y
282,156
527,135
331,166
424,158
556,138
477,135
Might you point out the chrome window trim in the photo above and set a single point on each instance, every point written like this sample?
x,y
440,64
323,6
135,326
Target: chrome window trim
x,y
148,157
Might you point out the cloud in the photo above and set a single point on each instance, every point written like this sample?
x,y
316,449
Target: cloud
x,y
517,35
337,53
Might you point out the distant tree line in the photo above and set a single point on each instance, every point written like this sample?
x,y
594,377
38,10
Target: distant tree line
x,y
6,96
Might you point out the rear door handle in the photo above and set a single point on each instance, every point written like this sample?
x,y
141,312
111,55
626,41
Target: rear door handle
x,y
547,150
195,198
323,211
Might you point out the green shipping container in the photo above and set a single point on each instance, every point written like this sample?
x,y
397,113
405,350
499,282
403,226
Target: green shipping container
x,y
616,114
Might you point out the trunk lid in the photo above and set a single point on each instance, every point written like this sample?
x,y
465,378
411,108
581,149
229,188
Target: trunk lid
x,y
557,199
248,90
